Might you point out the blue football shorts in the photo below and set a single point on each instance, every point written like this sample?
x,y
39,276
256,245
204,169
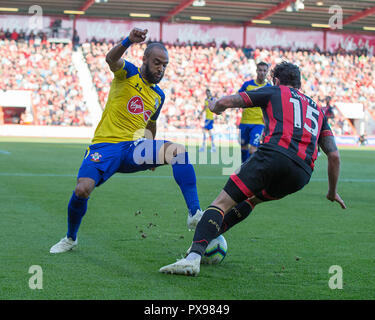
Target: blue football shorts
x,y
251,134
102,160
208,124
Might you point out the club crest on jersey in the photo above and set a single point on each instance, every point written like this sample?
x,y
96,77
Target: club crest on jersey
x,y
135,105
95,157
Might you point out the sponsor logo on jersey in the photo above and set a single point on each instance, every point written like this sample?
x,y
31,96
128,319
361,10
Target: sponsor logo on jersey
x,y
135,105
147,115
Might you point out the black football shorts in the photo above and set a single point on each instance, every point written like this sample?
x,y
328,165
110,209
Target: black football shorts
x,y
268,175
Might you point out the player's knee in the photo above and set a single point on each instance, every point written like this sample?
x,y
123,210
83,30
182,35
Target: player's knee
x,y
83,190
179,148
173,150
252,149
245,147
224,201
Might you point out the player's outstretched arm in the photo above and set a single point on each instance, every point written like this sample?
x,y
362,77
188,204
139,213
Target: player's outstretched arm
x,y
329,147
113,57
220,105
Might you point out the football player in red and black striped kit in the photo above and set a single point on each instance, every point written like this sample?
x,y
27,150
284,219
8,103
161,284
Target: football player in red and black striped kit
x,y
294,127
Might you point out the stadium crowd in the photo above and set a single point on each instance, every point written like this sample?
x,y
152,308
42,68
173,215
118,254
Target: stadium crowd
x,y
47,70
327,78
190,71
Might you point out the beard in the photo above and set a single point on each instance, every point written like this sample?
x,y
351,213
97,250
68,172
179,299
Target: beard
x,y
150,77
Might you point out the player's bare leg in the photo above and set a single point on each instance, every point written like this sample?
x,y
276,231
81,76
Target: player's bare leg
x,y
84,187
170,151
224,202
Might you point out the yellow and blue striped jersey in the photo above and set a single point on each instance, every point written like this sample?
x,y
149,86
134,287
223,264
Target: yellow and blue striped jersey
x,y
132,102
209,114
252,115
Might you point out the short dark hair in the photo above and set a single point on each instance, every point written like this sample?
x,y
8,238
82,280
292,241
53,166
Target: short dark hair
x,y
262,64
288,74
152,45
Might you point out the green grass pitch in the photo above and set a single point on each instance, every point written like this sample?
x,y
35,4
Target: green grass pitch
x,y
136,223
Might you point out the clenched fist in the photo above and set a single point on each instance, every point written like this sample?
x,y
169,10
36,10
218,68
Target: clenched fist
x,y
138,35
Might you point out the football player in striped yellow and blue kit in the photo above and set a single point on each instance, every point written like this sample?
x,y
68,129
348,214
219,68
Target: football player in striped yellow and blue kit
x,y
252,124
124,138
208,123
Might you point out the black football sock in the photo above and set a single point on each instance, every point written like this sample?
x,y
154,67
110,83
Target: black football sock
x,y
207,229
236,215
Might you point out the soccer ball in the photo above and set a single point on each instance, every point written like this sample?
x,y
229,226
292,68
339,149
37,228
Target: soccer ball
x,y
215,251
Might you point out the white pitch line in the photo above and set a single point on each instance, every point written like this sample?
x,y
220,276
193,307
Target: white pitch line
x,y
4,152
133,176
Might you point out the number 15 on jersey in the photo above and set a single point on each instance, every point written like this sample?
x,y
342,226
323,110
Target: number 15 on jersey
x,y
311,114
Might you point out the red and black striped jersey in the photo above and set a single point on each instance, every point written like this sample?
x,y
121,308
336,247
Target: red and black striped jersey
x,y
294,123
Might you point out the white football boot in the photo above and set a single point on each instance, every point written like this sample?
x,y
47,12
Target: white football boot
x,y
192,221
184,267
65,244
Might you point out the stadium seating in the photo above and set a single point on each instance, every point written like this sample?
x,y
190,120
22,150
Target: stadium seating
x,y
47,70
346,77
189,67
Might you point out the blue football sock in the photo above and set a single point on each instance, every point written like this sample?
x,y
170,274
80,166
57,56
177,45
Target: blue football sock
x,y
76,210
184,174
245,154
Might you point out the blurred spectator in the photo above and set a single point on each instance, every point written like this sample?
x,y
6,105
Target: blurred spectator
x,y
328,109
55,26
75,40
14,35
7,34
31,36
22,36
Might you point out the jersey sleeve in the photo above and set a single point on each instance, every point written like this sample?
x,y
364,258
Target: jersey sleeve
x,y
244,86
258,97
156,114
326,129
127,70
